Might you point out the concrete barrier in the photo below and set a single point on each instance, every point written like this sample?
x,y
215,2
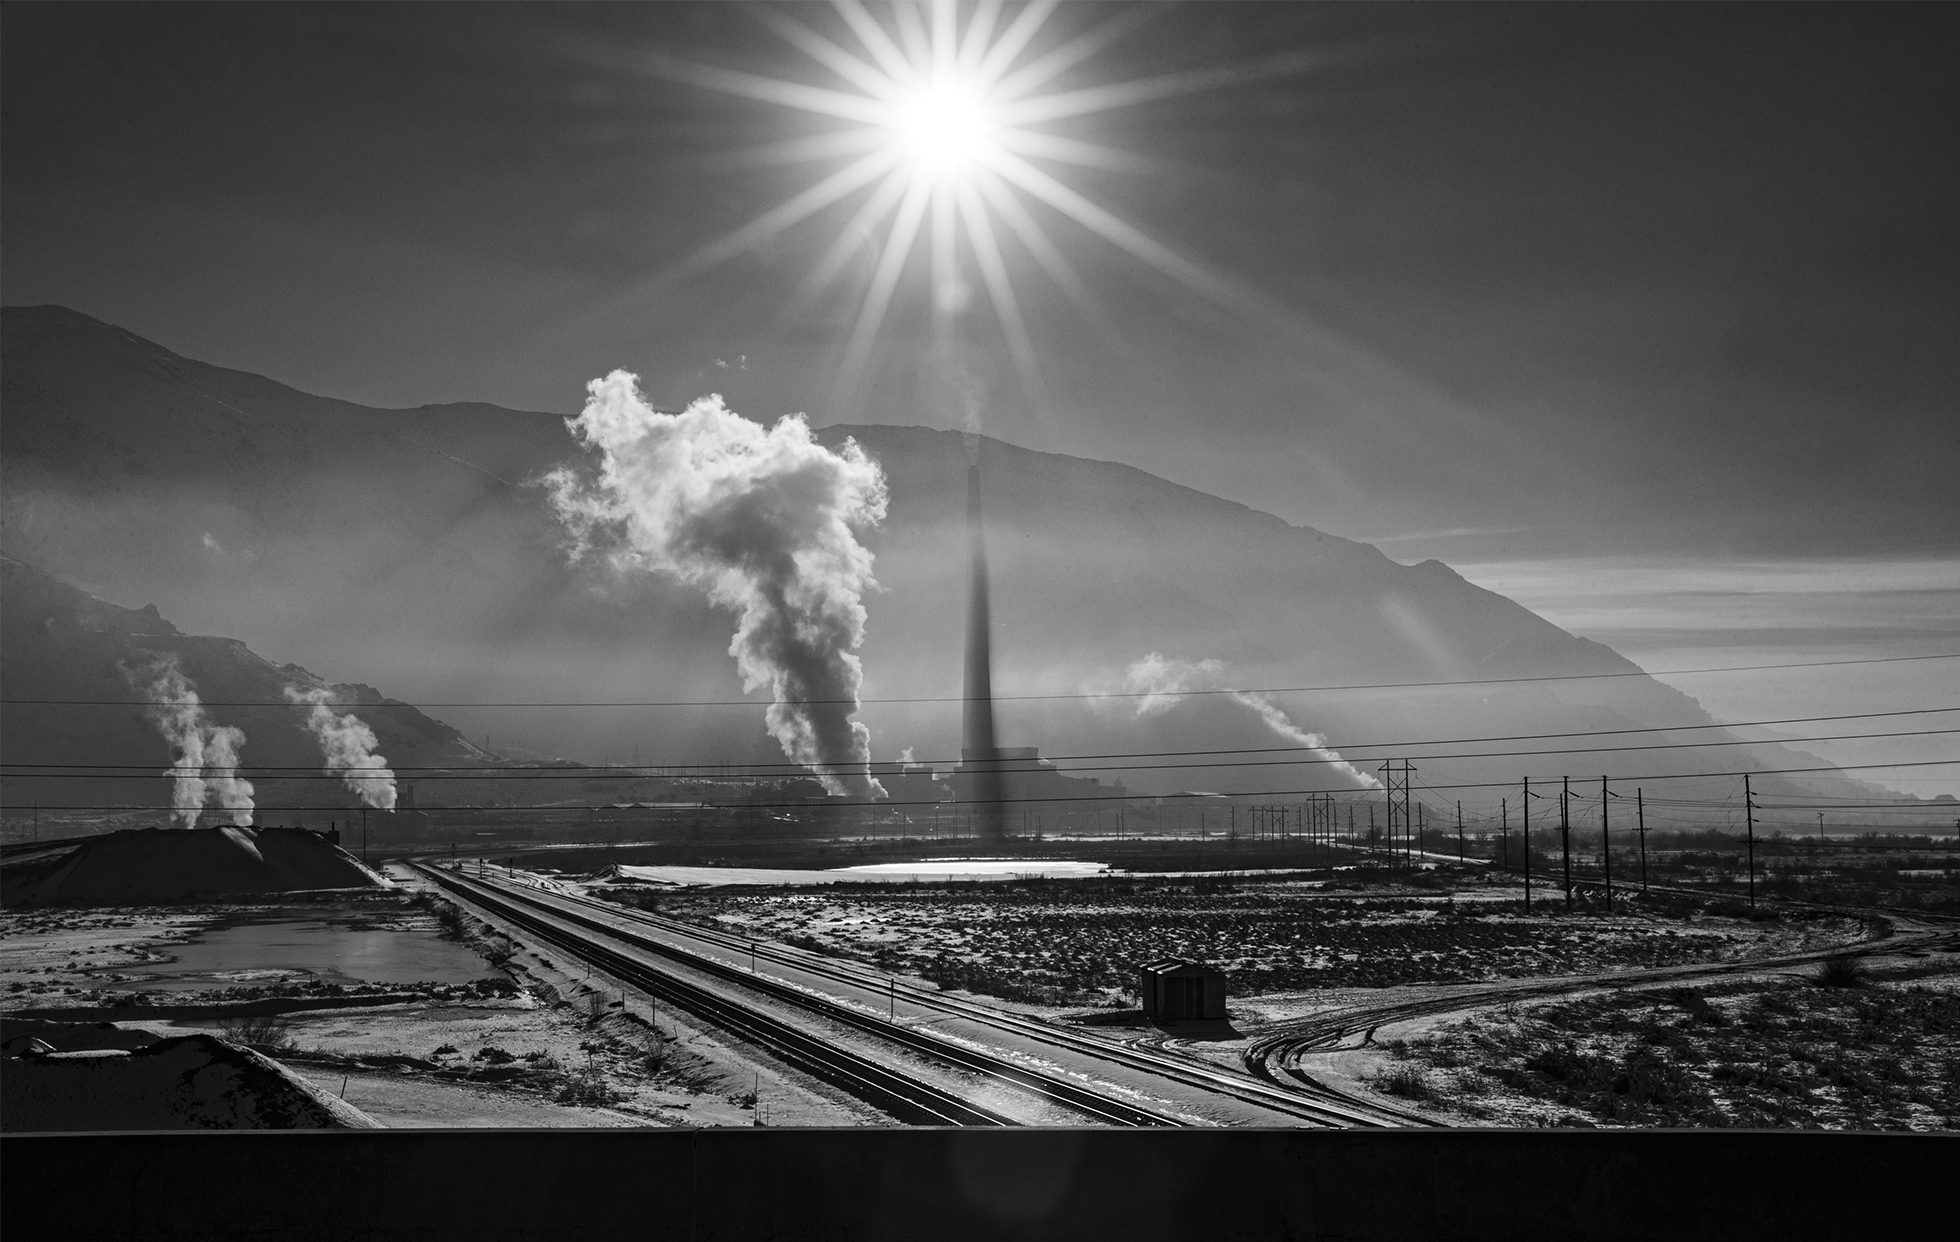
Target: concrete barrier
x,y
697,1185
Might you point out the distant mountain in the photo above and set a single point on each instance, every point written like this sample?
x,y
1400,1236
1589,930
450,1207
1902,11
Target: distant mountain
x,y
59,643
408,548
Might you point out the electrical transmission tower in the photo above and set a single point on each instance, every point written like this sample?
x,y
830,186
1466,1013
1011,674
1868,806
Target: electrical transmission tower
x,y
1396,782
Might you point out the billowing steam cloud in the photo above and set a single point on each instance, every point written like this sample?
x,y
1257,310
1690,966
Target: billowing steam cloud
x,y
761,519
206,763
348,745
1162,681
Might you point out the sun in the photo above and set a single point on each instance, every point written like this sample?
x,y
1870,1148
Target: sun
x,y
945,115
943,129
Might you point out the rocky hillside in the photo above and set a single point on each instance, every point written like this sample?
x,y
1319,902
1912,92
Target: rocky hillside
x,y
65,658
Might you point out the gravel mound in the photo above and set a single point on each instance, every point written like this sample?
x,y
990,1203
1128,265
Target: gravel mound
x,y
172,864
198,1082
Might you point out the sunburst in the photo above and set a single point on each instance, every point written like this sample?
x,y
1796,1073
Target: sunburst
x,y
943,141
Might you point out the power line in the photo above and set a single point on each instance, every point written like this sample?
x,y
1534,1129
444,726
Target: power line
x,y
786,768
1182,796
1003,698
113,771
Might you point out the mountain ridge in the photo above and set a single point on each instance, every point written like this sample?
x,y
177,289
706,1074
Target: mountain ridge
x,y
409,548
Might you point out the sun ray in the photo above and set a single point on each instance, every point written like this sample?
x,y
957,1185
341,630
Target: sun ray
x,y
1120,233
912,35
1047,256
877,41
1039,73
944,127
1013,41
852,69
804,150
945,39
816,99
1095,99
973,43
945,279
869,216
1073,151
838,185
1000,292
884,281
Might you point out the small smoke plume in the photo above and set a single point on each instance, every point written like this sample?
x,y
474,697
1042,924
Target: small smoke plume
x,y
761,519
1315,743
1162,681
348,745
226,789
205,764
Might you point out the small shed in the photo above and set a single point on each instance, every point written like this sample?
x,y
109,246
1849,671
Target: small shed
x,y
1173,990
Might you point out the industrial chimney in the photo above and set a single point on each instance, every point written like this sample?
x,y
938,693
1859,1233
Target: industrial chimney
x,y
982,785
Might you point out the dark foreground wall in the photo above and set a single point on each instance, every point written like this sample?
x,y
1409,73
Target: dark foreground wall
x,y
595,1186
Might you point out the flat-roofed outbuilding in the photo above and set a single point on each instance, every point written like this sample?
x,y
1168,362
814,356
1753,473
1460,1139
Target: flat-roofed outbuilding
x,y
1174,990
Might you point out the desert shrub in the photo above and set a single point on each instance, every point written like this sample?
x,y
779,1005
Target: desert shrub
x,y
587,1087
269,1030
493,1055
1403,1080
447,1050
1841,972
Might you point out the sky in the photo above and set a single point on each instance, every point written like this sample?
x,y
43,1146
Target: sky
x,y
1626,311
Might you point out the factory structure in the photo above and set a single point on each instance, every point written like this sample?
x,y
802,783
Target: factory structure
x,y
994,785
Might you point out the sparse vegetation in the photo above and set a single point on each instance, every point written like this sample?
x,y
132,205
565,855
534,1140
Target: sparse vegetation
x,y
1841,972
1075,943
1748,1054
262,1030
1403,1080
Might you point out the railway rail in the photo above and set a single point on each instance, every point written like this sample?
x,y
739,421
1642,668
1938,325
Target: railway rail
x,y
1305,1102
905,1098
1274,1057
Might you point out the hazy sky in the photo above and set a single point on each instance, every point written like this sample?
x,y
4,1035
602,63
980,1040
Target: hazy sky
x,y
1562,280
1645,315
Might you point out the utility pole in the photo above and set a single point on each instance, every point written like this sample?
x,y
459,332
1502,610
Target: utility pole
x,y
1749,813
1565,835
1525,808
1605,844
1408,774
1640,810
1459,830
1504,832
364,836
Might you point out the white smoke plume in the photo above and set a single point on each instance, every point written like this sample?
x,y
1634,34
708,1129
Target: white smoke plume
x,y
764,521
348,745
1315,743
227,790
205,763
1162,681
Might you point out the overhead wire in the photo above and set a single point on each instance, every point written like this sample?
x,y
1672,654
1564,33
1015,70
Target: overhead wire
x,y
1023,698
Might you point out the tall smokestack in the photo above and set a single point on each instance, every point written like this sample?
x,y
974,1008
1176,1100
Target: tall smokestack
x,y
978,752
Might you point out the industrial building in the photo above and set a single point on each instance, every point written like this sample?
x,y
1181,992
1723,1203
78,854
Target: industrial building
x,y
1173,990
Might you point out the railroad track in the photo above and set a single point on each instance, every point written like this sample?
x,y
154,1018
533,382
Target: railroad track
x,y
1275,1054
1306,1102
904,1097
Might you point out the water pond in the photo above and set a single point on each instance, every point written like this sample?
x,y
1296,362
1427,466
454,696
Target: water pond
x,y
295,949
875,873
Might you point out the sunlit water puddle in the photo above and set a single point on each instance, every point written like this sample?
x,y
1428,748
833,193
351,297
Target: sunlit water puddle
x,y
878,873
285,950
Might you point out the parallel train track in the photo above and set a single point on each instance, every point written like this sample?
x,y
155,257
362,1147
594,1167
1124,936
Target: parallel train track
x,y
903,1097
1304,1102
